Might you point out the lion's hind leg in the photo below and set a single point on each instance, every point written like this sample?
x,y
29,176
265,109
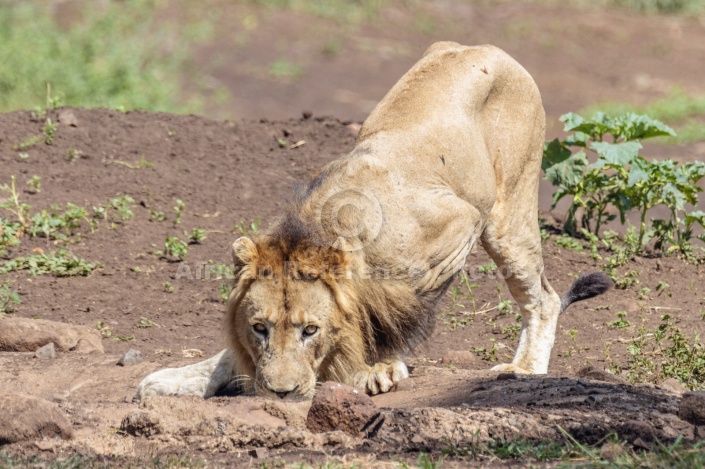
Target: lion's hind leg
x,y
202,379
382,376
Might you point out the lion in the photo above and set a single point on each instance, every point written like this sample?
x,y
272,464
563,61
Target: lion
x,y
345,284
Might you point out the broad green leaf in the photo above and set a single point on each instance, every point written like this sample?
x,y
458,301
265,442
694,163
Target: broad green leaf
x,y
639,171
554,153
620,154
638,127
568,172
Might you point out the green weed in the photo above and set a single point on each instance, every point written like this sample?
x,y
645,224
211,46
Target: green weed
x,y
72,154
8,299
245,229
157,216
60,263
174,247
621,321
179,211
666,352
56,223
145,323
122,204
49,131
196,236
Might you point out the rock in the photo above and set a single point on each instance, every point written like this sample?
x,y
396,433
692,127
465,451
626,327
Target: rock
x,y
259,453
27,335
131,357
461,359
24,418
591,372
340,407
406,384
674,386
67,117
637,429
141,423
692,407
48,352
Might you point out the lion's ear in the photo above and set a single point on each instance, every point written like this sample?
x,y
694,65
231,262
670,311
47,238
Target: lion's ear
x,y
244,255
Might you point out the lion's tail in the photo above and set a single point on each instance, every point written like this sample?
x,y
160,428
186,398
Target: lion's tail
x,y
586,286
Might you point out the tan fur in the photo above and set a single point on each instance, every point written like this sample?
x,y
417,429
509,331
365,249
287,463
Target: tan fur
x,y
451,155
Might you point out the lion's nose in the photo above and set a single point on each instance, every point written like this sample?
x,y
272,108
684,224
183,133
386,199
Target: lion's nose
x,y
282,394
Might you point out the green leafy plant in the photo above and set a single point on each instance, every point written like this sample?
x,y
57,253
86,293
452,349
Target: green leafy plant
x,y
145,323
196,236
72,154
619,179
60,263
621,321
179,211
35,184
666,352
49,131
123,204
157,216
174,247
8,299
57,224
168,287
245,229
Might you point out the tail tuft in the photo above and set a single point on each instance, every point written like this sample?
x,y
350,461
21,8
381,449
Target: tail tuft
x,y
586,286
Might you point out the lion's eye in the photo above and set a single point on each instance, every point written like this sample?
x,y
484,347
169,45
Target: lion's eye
x,y
310,330
259,328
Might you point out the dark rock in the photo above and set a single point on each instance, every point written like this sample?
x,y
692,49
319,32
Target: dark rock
x,y
591,372
340,407
24,418
141,423
692,407
131,357
48,352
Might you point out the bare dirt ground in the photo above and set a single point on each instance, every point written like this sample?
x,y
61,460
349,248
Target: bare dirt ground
x,y
276,64
230,172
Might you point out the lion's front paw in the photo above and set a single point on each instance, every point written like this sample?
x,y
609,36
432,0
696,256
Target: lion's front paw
x,y
510,368
381,377
172,382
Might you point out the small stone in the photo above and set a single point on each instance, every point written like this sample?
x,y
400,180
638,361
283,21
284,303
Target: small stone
x,y
406,384
45,445
507,376
259,453
48,352
674,386
131,357
596,374
461,359
306,114
337,407
692,407
67,117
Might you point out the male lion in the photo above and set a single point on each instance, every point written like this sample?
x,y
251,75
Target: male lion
x,y
344,285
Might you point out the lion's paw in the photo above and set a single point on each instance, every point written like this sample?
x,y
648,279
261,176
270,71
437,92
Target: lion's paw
x,y
381,377
172,382
510,368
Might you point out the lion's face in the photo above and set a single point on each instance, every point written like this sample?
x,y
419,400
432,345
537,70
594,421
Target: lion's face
x,y
287,326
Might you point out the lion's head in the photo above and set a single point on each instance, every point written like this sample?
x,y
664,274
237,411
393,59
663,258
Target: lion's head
x,y
286,325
